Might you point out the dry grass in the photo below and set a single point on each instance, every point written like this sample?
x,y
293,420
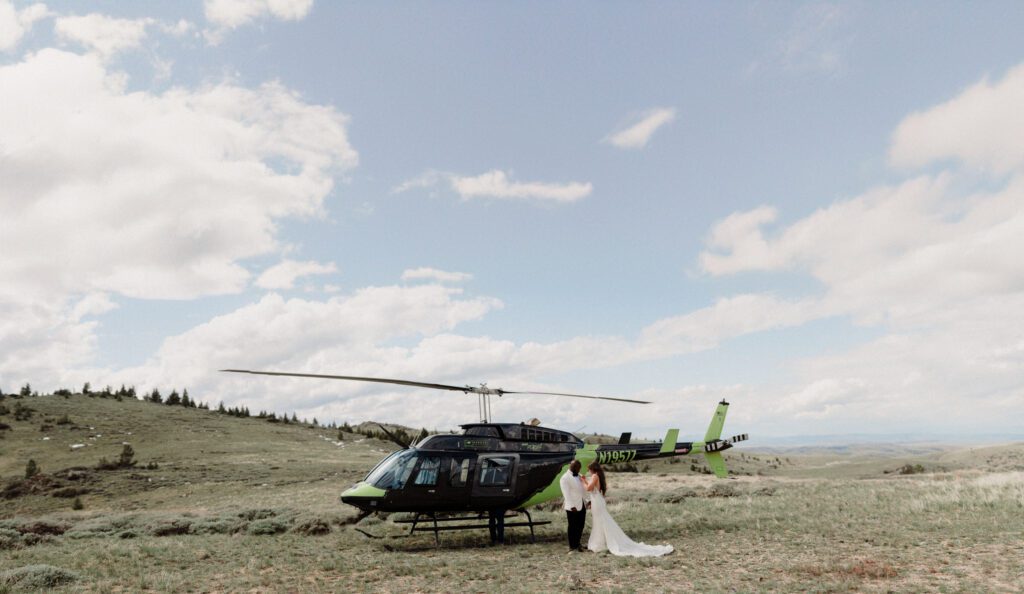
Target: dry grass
x,y
242,505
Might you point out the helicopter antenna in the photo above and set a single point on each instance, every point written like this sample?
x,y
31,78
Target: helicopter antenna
x,y
483,393
392,437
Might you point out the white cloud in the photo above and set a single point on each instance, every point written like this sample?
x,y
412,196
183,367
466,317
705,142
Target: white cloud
x,y
496,184
346,333
112,193
426,179
705,328
982,127
933,269
151,195
103,34
638,134
15,24
815,41
284,274
231,14
424,273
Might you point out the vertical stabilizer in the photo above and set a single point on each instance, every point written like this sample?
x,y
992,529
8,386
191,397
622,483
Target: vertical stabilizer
x,y
717,422
668,445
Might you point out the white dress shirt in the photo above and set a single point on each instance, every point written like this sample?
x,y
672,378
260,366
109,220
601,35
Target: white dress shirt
x,y
574,494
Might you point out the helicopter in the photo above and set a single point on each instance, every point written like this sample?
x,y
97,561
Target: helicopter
x,y
497,466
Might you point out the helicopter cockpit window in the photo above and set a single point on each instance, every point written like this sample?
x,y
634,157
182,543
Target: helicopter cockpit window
x,y
459,472
495,472
428,472
393,471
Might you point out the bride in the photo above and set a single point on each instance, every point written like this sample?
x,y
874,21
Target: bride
x,y
605,533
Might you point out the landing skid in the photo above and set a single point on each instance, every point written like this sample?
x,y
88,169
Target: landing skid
x,y
432,518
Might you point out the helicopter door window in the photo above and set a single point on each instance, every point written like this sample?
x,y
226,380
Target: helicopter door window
x,y
428,472
460,472
496,472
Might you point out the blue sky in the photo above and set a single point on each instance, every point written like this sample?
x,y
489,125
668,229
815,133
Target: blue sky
x,y
810,209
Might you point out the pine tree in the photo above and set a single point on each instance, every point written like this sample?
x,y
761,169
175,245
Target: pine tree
x,y
173,399
31,469
26,390
295,418
127,457
185,400
220,407
155,396
86,389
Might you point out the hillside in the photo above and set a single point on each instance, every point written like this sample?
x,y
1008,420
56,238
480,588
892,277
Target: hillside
x,y
220,503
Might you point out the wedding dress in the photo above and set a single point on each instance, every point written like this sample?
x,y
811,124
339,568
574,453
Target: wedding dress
x,y
605,534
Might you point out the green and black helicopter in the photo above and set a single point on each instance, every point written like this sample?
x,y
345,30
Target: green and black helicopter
x,y
498,466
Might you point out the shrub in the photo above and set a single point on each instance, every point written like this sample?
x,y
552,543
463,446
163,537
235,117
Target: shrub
x,y
125,460
221,525
257,514
36,577
64,420
31,469
722,490
311,526
22,412
268,526
77,504
171,527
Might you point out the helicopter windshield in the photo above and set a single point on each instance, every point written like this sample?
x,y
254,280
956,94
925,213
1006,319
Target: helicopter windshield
x,y
393,471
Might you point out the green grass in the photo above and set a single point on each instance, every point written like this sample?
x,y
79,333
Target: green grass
x,y
242,504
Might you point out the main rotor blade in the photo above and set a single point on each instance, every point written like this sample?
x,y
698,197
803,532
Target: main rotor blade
x,y
379,380
464,389
579,396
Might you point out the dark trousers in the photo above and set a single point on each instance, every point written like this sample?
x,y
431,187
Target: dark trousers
x,y
577,519
496,524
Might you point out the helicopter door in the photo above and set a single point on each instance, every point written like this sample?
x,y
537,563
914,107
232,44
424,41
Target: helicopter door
x,y
496,476
424,484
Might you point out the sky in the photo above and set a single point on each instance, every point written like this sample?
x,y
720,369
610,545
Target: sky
x,y
812,210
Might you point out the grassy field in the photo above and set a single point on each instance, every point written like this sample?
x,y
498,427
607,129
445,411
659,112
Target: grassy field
x,y
233,504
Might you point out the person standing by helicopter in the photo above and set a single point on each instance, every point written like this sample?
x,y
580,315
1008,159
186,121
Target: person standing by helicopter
x,y
574,500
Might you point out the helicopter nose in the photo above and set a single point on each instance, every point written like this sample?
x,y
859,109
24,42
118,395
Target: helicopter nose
x,y
363,495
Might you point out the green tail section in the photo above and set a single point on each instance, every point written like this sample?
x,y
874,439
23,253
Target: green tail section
x,y
714,458
669,445
717,422
717,464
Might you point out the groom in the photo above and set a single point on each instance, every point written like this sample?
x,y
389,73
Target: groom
x,y
574,498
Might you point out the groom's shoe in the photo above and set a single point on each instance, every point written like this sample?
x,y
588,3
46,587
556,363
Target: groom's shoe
x,y
581,549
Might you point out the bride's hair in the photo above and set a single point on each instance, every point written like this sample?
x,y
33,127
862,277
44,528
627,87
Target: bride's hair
x,y
595,468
